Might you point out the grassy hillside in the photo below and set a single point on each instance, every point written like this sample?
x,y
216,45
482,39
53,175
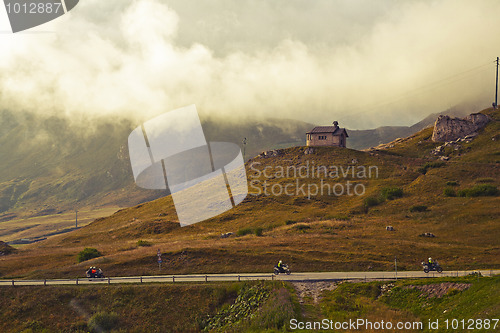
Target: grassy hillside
x,y
469,298
29,229
52,166
247,307
146,308
311,232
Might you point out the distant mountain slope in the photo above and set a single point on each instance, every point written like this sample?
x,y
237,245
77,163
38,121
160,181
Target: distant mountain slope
x,y
48,164
363,139
261,135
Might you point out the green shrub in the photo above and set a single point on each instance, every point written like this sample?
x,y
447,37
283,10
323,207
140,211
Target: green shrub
x,y
391,193
430,165
452,292
371,202
290,222
143,243
418,208
88,253
482,190
452,183
244,231
302,227
258,231
449,192
103,321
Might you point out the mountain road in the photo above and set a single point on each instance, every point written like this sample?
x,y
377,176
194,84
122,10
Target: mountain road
x,y
299,276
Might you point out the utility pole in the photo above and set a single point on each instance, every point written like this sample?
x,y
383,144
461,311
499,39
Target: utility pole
x,y
76,218
396,266
245,144
496,89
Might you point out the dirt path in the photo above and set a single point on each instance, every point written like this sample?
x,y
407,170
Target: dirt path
x,y
312,289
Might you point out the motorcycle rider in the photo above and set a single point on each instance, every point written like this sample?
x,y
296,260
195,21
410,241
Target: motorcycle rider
x,y
281,266
430,262
94,272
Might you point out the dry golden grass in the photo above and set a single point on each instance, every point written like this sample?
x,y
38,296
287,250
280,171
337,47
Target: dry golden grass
x,y
39,226
137,308
336,233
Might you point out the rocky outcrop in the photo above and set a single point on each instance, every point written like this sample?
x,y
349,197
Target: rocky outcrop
x,y
453,145
270,153
447,128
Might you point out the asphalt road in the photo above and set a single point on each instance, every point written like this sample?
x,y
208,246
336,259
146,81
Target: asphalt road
x,y
302,276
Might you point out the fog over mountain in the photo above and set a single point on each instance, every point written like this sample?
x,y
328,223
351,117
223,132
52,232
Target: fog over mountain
x,y
364,63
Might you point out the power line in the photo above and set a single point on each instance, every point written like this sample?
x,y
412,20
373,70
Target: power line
x,y
432,85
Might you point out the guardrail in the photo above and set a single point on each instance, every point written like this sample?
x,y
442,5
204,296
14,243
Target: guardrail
x,y
245,277
137,279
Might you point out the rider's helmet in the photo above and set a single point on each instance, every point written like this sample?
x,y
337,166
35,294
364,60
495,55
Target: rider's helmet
x,y
430,259
281,262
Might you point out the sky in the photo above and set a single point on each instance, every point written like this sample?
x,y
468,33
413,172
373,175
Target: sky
x,y
363,63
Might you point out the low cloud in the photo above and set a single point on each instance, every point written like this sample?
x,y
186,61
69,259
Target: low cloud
x,y
315,61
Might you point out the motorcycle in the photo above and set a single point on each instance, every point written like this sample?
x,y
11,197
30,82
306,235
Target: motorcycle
x,y
283,270
431,267
95,274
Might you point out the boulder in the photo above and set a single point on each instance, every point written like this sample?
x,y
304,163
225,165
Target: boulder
x,y
447,128
270,153
309,150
